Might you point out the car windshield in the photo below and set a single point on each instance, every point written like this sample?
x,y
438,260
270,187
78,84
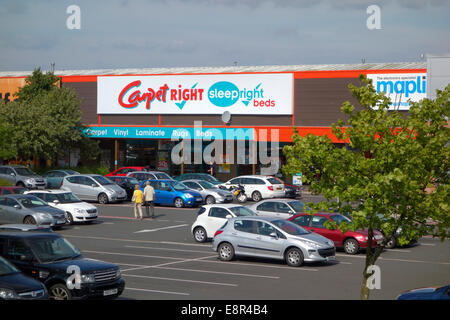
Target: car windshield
x,y
51,249
242,211
68,197
340,218
24,172
206,184
209,178
162,175
102,180
297,205
178,186
19,190
71,172
274,180
132,181
31,202
290,227
6,267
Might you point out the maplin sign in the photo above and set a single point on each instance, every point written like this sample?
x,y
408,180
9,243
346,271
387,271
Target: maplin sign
x,y
255,94
401,88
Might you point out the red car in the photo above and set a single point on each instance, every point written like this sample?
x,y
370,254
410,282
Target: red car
x,y
124,170
12,190
351,241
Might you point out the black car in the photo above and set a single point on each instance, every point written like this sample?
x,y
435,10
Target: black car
x,y
292,191
14,285
127,183
55,262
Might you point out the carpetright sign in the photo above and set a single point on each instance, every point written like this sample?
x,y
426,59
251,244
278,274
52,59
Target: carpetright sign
x,y
401,87
253,94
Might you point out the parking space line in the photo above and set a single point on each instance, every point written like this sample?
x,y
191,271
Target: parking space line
x,y
218,272
158,229
397,250
262,265
133,255
168,249
393,259
182,280
157,291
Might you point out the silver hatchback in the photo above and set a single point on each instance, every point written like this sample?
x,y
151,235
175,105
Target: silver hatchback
x,y
275,238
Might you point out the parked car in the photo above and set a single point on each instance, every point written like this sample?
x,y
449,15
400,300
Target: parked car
x,y
211,217
124,170
54,177
258,187
12,190
149,175
210,193
174,193
126,183
351,241
292,191
199,176
22,176
281,208
94,187
14,285
25,228
265,237
393,241
428,293
76,210
47,258
28,209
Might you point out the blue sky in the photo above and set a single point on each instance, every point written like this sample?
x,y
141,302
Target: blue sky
x,y
195,33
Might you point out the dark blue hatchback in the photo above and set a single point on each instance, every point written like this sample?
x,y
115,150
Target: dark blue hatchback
x,y
174,193
430,293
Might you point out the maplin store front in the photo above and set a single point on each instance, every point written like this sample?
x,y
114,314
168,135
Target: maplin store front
x,y
143,116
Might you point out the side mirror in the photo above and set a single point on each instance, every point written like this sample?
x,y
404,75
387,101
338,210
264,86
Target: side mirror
x,y
13,174
273,235
291,212
56,201
94,185
17,206
228,216
26,257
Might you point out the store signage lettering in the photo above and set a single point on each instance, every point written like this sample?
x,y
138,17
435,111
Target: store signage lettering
x,y
196,94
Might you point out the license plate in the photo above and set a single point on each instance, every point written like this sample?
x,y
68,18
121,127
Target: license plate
x,y
331,258
41,187
379,241
110,292
278,188
199,199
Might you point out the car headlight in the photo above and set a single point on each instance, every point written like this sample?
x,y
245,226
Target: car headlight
x,y
44,216
80,211
8,294
312,244
30,180
188,195
118,274
87,278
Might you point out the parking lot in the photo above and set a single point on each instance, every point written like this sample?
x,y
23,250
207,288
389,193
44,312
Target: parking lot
x,y
159,259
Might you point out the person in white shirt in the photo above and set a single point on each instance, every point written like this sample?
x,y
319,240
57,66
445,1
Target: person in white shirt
x,y
149,197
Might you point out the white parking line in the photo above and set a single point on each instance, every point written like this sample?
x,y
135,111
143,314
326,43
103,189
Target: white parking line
x,y
133,255
427,244
398,250
157,291
169,249
219,272
163,228
182,280
393,259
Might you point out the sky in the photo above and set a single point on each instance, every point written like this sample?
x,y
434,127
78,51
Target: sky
x,y
217,33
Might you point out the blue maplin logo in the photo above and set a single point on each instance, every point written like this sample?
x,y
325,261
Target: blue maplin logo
x,y
405,87
226,94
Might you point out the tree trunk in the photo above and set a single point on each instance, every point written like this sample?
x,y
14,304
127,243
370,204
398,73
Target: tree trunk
x,y
364,294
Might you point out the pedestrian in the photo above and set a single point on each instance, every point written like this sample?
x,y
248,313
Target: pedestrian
x,y
138,196
149,197
211,169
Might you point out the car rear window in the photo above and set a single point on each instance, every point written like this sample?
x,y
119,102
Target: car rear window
x,y
275,181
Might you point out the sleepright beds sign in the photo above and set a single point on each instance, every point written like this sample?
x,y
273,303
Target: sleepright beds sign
x,y
401,87
255,94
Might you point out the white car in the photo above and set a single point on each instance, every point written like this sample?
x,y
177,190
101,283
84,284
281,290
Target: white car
x,y
258,187
212,217
77,210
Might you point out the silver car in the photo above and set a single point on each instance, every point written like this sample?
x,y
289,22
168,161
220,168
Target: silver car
x,y
94,187
28,209
149,175
22,176
280,208
274,238
210,193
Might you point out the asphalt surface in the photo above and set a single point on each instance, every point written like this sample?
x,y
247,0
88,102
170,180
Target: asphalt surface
x,y
159,259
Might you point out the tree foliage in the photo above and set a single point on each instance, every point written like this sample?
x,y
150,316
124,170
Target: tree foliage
x,y
383,176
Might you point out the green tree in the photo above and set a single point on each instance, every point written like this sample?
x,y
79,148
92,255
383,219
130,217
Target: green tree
x,y
7,148
46,118
382,179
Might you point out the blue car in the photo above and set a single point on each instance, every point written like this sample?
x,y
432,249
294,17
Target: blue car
x,y
431,293
173,193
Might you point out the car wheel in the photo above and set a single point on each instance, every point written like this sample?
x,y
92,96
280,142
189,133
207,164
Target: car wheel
x,y
210,200
256,196
20,184
200,234
242,198
226,251
69,218
351,246
178,203
59,292
391,244
102,198
294,257
29,220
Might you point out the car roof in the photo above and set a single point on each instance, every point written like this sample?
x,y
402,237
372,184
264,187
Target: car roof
x,y
254,176
21,234
17,195
163,180
223,205
22,226
14,166
276,200
194,180
84,174
258,218
47,191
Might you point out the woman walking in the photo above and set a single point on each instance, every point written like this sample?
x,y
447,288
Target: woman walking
x,y
138,195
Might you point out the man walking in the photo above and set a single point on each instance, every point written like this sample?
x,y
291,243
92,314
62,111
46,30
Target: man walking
x,y
137,199
149,197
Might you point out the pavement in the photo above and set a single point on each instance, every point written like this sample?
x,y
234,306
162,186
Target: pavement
x,y
160,260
